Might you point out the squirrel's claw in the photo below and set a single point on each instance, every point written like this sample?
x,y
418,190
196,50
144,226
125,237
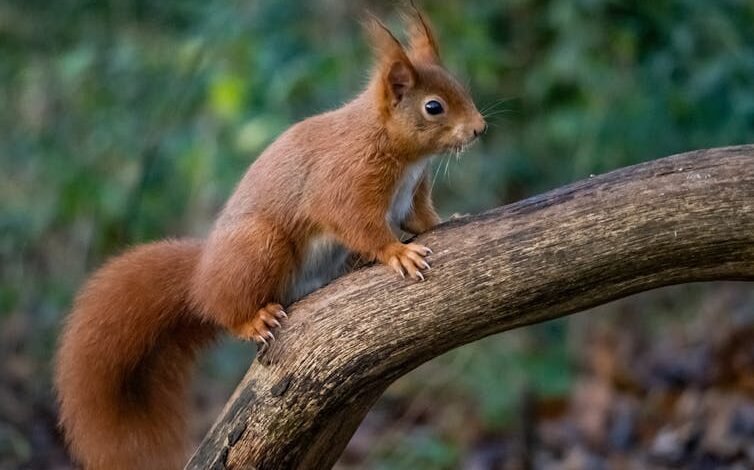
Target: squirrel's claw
x,y
396,265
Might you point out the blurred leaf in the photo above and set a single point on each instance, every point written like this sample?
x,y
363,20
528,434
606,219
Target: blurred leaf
x,y
227,94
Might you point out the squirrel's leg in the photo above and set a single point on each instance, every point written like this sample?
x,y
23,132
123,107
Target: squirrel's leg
x,y
422,216
241,275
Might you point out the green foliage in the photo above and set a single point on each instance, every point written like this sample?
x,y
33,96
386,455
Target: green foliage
x,y
422,449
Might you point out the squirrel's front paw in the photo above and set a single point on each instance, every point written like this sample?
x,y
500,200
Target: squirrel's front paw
x,y
406,259
259,328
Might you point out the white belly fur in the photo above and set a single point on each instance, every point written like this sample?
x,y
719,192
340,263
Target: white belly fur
x,y
404,193
325,258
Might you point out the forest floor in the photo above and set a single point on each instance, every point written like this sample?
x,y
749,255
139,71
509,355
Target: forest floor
x,y
678,396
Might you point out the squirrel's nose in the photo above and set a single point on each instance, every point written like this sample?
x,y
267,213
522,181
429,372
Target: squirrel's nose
x,y
478,132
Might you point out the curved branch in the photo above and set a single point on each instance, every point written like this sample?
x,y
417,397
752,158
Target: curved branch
x,y
679,219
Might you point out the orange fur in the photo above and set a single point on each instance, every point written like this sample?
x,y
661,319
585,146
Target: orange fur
x,y
335,184
124,360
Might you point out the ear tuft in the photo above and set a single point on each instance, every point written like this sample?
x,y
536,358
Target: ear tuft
x,y
384,44
423,46
394,69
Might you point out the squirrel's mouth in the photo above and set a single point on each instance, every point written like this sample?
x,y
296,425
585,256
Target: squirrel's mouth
x,y
459,148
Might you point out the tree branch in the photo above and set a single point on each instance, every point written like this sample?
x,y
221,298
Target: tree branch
x,y
679,219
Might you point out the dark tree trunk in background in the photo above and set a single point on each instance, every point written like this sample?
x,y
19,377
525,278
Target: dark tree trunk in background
x,y
679,219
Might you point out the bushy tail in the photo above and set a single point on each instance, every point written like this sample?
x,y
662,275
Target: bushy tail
x,y
124,360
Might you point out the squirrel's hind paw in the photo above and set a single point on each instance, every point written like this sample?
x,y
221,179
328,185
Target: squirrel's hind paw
x,y
259,328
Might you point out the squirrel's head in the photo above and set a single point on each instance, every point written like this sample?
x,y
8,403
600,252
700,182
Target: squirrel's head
x,y
421,104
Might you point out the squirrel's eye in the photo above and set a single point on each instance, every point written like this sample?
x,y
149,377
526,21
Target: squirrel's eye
x,y
433,107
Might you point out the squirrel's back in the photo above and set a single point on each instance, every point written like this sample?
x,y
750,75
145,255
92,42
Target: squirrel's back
x,y
315,155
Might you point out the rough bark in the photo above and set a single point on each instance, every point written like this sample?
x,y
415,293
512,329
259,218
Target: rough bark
x,y
679,219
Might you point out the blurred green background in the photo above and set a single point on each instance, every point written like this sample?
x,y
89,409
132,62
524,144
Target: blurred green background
x,y
125,121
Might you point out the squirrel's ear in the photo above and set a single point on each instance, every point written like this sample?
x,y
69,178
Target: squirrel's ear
x,y
422,43
396,73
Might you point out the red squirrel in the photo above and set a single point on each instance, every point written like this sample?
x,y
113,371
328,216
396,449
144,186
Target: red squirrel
x,y
340,183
